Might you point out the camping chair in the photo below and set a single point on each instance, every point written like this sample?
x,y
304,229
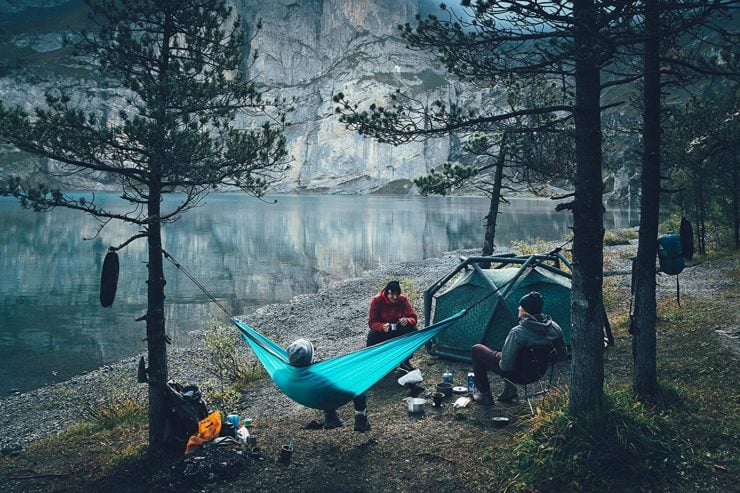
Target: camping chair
x,y
533,363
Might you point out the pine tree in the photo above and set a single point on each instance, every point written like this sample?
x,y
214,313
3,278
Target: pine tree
x,y
180,66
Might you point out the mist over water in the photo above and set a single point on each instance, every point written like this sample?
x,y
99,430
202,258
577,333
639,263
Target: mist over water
x,y
247,252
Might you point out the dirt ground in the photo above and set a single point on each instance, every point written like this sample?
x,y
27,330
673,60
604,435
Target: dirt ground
x,y
437,450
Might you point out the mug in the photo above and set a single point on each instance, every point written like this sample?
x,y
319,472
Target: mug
x,y
393,327
285,453
234,420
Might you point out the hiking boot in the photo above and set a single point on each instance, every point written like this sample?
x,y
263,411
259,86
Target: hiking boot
x,y
483,398
407,366
509,393
332,420
361,423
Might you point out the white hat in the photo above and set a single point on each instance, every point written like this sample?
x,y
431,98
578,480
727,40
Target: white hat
x,y
300,353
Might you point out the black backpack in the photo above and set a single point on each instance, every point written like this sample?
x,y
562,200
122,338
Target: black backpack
x,y
186,408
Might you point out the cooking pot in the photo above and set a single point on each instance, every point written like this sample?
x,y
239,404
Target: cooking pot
x,y
445,388
416,405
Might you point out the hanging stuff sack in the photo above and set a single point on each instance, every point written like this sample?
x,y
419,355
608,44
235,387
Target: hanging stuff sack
x,y
109,278
687,239
670,258
670,255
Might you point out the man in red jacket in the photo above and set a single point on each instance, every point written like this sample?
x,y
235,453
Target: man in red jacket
x,y
391,315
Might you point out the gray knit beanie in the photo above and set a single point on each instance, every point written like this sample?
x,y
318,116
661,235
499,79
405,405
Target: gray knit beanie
x,y
300,353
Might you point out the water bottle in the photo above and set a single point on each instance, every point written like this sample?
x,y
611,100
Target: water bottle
x,y
471,383
447,377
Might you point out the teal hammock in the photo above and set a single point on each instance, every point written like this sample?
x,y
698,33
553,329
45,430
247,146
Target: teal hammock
x,y
334,382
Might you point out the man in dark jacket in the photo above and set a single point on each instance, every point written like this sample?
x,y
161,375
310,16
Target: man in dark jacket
x,y
391,315
534,329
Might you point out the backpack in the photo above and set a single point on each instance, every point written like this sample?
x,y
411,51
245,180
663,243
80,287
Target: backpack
x,y
186,408
670,254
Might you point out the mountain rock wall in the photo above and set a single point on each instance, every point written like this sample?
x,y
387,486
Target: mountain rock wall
x,y
307,52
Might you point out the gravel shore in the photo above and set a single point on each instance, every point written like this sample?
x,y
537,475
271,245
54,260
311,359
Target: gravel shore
x,y
335,319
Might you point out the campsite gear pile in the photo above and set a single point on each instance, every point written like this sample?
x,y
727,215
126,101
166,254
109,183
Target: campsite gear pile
x,y
191,425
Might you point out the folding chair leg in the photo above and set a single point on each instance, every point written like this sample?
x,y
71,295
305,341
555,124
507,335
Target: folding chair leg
x,y
531,409
529,399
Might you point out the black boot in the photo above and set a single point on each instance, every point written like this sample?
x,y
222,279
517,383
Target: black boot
x,y
509,393
361,423
332,420
484,398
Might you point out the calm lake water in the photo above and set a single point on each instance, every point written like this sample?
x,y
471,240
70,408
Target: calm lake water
x,y
247,252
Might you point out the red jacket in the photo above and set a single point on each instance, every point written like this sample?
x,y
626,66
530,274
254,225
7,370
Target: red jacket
x,y
382,311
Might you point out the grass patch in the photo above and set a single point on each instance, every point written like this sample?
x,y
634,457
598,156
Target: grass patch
x,y
395,187
619,237
622,444
116,435
532,247
683,439
123,411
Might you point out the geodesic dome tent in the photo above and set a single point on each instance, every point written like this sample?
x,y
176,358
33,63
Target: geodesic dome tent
x,y
492,298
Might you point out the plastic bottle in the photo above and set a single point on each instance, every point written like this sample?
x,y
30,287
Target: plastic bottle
x,y
471,383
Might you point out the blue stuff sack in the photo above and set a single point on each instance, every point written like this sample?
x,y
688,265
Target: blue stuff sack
x,y
670,254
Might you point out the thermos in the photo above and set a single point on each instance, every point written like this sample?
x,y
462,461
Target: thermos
x,y
447,377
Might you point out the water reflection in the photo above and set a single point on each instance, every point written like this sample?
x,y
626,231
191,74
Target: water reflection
x,y
247,252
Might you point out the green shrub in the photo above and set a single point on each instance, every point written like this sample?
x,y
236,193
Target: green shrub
x,y
116,411
623,444
535,246
225,360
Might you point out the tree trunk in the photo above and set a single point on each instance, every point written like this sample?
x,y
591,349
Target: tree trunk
x,y
587,308
700,209
736,212
645,379
488,241
155,325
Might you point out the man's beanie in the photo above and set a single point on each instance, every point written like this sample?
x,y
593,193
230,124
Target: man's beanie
x,y
300,353
392,287
532,303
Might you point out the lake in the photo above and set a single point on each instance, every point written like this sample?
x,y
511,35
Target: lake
x,y
247,252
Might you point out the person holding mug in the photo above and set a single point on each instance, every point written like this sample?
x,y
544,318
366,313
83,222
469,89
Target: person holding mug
x,y
391,315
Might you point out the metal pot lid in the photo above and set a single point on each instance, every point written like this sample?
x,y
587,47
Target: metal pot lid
x,y
459,389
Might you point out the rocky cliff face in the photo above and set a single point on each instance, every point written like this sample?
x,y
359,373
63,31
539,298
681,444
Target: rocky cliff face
x,y
308,50
314,49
